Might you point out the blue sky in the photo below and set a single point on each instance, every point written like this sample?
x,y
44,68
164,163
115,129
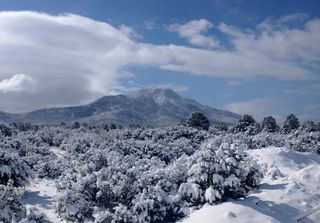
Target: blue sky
x,y
258,57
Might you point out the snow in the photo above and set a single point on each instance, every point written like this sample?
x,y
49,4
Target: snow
x,y
289,191
58,152
40,194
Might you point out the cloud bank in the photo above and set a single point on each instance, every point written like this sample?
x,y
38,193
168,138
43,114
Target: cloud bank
x,y
75,59
18,83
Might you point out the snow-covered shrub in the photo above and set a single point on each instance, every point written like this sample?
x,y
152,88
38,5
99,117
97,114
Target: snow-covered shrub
x,y
269,124
11,208
291,123
52,168
6,130
245,123
146,174
266,139
73,207
35,216
221,126
198,120
12,167
223,172
304,141
309,126
150,175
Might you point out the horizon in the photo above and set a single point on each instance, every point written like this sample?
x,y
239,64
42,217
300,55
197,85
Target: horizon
x,y
246,57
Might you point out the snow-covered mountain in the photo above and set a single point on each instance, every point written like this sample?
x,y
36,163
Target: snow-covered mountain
x,y
156,107
7,117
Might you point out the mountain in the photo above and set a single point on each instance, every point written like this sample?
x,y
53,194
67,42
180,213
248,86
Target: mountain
x,y
155,107
7,117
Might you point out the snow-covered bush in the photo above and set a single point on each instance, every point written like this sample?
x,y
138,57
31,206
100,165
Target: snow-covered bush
x,y
142,174
245,123
11,208
290,124
309,126
12,167
35,216
198,120
5,130
73,207
304,141
131,180
269,124
225,172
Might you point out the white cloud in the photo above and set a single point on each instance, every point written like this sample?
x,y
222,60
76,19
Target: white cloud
x,y
76,59
293,17
18,83
129,32
193,32
149,25
257,107
175,87
281,23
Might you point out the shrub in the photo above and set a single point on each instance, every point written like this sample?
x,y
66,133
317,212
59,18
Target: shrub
x,y
12,167
244,123
11,208
128,186
5,130
35,216
309,126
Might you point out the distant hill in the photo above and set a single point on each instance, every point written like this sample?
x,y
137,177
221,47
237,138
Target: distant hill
x,y
7,117
155,107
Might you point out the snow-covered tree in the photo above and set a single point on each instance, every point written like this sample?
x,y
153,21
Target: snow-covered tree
x,y
269,124
198,120
309,126
244,123
291,123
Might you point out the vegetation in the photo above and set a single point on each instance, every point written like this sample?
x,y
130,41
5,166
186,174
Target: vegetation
x,y
135,174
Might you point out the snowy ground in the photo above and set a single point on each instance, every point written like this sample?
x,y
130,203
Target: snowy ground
x,y
291,187
40,194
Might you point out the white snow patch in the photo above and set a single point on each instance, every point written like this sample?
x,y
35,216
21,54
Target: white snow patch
x,y
58,152
289,190
41,194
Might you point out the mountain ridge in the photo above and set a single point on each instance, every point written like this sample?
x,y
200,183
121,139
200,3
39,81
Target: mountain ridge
x,y
151,106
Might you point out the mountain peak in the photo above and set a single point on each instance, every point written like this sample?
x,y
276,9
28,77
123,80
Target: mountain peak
x,y
153,92
159,95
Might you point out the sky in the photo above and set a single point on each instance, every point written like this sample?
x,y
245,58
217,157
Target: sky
x,y
249,57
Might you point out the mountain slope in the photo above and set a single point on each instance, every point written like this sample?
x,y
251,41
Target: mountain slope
x,y
156,107
7,117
